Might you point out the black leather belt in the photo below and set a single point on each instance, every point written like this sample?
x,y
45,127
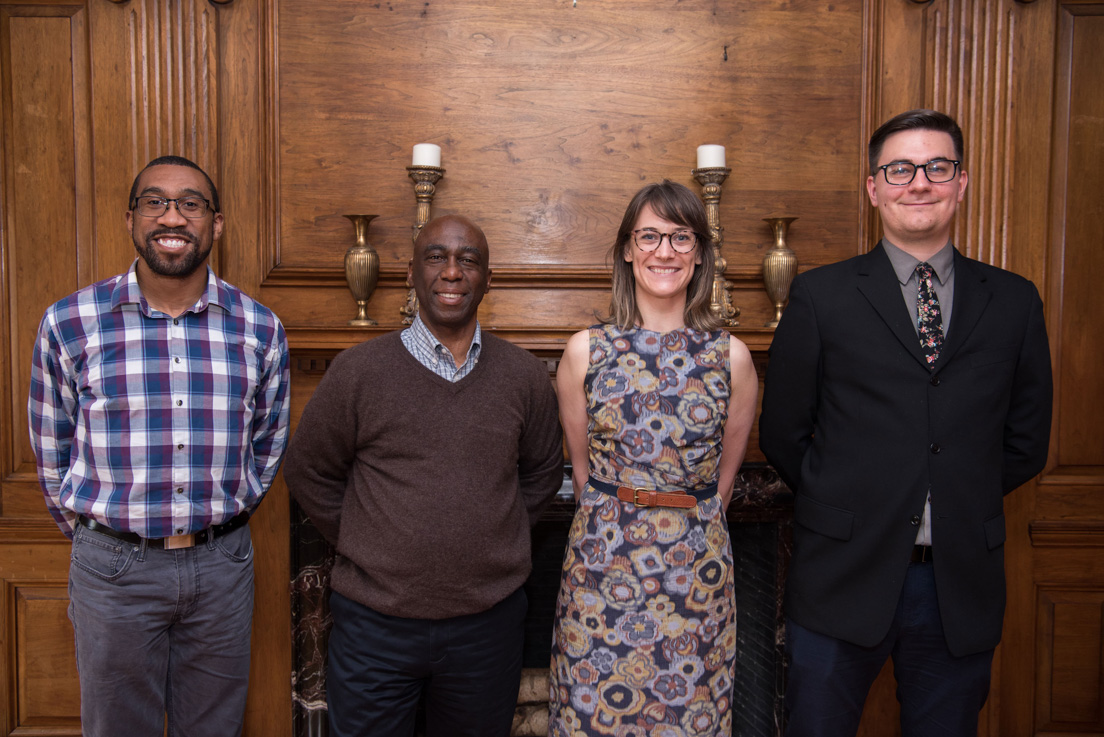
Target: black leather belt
x,y
170,543
921,554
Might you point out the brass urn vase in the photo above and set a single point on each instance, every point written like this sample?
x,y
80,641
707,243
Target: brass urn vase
x,y
779,268
362,269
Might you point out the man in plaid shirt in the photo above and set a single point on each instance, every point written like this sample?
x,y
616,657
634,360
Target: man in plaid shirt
x,y
159,416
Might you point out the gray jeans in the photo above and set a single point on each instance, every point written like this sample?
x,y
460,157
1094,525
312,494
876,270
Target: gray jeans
x,y
162,632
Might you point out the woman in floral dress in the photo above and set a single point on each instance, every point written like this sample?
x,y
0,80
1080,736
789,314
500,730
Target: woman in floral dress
x,y
656,406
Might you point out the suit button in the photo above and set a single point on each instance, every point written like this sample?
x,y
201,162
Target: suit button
x,y
915,520
934,448
936,381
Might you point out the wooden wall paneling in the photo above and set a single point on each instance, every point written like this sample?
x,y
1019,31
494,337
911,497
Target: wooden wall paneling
x,y
49,686
1012,93
1069,695
39,689
971,80
956,56
47,153
549,122
1077,266
1071,658
1067,531
155,73
248,107
46,222
245,106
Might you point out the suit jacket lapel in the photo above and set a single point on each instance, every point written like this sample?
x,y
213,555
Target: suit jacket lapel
x,y
878,283
971,295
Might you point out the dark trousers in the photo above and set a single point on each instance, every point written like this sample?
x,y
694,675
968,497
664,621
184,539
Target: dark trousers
x,y
469,668
940,694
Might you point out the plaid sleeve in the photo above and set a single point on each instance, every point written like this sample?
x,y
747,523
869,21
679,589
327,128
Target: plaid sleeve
x,y
51,412
270,420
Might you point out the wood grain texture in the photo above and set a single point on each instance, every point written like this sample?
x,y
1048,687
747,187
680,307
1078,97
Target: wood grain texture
x,y
1078,245
1070,693
173,78
49,689
38,675
550,117
45,134
971,45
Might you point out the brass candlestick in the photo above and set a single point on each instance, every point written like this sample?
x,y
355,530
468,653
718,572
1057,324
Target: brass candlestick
x,y
779,268
425,180
710,179
362,269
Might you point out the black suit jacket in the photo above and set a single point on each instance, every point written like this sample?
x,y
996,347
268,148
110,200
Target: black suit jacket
x,y
860,430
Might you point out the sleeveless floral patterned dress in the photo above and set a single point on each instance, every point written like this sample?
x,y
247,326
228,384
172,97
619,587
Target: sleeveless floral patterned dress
x,y
645,635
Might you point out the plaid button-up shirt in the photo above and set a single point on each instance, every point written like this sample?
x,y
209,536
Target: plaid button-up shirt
x,y
152,424
432,354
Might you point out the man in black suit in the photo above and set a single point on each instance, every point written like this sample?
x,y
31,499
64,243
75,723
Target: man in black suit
x,y
908,390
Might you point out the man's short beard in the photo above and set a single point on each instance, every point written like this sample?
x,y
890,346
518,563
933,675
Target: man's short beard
x,y
188,263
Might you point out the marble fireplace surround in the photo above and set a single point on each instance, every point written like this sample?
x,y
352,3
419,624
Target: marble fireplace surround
x,y
759,521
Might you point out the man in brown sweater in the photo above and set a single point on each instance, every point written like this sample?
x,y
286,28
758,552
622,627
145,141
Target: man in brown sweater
x,y
424,457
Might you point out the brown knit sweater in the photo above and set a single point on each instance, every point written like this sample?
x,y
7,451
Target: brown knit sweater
x,y
427,488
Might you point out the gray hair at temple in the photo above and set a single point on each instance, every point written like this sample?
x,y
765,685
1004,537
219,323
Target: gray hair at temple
x,y
929,120
675,202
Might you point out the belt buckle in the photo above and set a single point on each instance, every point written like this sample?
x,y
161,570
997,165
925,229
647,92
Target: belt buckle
x,y
636,498
180,541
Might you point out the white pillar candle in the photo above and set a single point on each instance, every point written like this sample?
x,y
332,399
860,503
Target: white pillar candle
x,y
428,154
710,156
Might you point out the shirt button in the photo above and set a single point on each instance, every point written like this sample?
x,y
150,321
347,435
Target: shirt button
x,y
936,381
915,520
179,530
180,490
934,448
176,360
176,321
180,447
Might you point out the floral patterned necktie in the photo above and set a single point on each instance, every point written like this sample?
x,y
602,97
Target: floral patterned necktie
x,y
929,319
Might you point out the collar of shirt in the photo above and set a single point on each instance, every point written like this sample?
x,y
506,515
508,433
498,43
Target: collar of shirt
x,y
904,264
127,291
432,354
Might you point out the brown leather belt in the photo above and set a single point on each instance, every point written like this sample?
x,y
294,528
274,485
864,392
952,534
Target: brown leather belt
x,y
653,498
921,554
169,543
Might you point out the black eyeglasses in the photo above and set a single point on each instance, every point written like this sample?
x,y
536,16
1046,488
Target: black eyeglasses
x,y
648,240
150,206
900,173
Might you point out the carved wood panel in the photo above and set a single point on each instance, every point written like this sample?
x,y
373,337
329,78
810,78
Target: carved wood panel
x,y
959,56
1076,256
1070,671
550,117
173,79
49,690
45,132
39,691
